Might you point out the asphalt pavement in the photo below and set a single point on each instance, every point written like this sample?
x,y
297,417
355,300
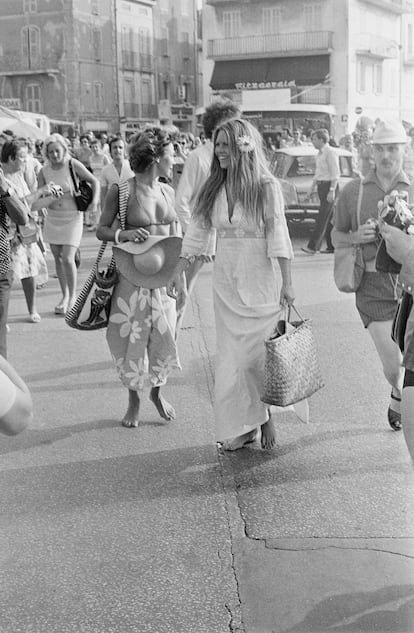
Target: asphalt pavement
x,y
155,530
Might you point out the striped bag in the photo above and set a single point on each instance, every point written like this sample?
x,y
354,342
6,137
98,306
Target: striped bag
x,y
93,305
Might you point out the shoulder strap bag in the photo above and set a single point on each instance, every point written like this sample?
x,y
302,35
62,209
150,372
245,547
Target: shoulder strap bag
x,y
82,191
349,265
93,305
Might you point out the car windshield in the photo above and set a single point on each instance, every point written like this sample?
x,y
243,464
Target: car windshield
x,y
291,166
302,166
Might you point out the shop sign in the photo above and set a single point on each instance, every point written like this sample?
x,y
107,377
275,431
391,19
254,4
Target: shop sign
x,y
265,85
11,103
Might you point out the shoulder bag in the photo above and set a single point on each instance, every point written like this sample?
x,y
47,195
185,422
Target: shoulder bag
x,y
93,305
349,265
83,193
292,370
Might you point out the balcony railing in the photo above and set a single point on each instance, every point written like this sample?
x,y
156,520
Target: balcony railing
x,y
376,46
259,45
312,94
14,64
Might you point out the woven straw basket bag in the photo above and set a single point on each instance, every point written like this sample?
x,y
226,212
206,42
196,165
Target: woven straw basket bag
x,y
292,371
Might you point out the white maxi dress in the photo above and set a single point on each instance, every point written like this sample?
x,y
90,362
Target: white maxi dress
x,y
246,292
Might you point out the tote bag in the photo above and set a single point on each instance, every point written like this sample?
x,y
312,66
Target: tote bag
x,y
292,371
92,307
349,265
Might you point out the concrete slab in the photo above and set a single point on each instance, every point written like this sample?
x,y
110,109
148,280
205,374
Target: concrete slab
x,y
317,585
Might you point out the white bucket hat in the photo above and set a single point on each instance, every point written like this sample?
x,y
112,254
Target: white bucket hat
x,y
389,132
149,264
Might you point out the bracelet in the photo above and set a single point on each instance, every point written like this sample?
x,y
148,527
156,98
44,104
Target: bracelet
x,y
117,234
189,258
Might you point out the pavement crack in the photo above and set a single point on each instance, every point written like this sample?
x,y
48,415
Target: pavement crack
x,y
338,547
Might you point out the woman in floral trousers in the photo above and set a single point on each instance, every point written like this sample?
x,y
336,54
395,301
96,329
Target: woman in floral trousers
x,y
142,323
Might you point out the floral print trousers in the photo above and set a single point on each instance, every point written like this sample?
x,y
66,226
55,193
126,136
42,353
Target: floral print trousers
x,y
141,335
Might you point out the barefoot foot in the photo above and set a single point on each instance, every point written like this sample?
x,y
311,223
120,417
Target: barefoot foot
x,y
240,441
131,417
268,440
164,408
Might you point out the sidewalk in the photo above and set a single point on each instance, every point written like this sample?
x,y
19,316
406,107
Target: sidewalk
x,y
106,529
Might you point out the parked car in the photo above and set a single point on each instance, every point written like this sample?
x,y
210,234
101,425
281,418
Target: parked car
x,y
294,167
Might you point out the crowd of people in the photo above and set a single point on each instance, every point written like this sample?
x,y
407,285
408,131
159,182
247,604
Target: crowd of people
x,y
190,201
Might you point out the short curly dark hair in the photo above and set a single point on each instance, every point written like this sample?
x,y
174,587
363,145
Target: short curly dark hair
x,y
147,147
10,149
218,112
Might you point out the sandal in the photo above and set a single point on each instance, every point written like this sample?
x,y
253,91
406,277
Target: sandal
x,y
394,417
60,309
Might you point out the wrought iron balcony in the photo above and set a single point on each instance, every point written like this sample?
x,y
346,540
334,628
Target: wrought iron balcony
x,y
287,44
13,64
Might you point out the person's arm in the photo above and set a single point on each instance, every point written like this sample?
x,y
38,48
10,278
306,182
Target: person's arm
x,y
17,414
15,208
109,229
400,246
186,191
342,233
332,159
278,241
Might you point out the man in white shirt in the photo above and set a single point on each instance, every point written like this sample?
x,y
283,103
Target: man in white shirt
x,y
196,170
326,180
119,170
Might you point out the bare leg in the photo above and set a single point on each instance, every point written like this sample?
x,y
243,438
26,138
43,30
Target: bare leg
x,y
164,408
70,271
390,356
29,289
60,271
131,417
407,408
268,433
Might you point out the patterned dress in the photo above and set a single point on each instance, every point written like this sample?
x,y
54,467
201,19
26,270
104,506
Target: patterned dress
x,y
26,259
246,304
141,334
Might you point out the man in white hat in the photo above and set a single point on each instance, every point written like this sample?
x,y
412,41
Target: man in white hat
x,y
376,297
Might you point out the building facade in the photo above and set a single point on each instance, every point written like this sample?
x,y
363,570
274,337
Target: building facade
x,y
178,48
101,65
342,59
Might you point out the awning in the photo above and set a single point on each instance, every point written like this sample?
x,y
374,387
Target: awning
x,y
259,73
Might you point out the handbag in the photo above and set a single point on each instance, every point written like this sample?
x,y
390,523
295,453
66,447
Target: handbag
x,y
399,323
92,307
292,371
83,193
349,264
28,233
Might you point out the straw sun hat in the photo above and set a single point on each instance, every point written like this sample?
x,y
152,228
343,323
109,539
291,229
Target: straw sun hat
x,y
149,264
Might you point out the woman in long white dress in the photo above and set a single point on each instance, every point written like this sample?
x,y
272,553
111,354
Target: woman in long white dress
x,y
242,203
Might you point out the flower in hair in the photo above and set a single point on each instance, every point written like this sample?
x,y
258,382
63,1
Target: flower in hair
x,y
245,144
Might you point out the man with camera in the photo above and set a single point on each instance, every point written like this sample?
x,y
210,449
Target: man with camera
x,y
377,296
